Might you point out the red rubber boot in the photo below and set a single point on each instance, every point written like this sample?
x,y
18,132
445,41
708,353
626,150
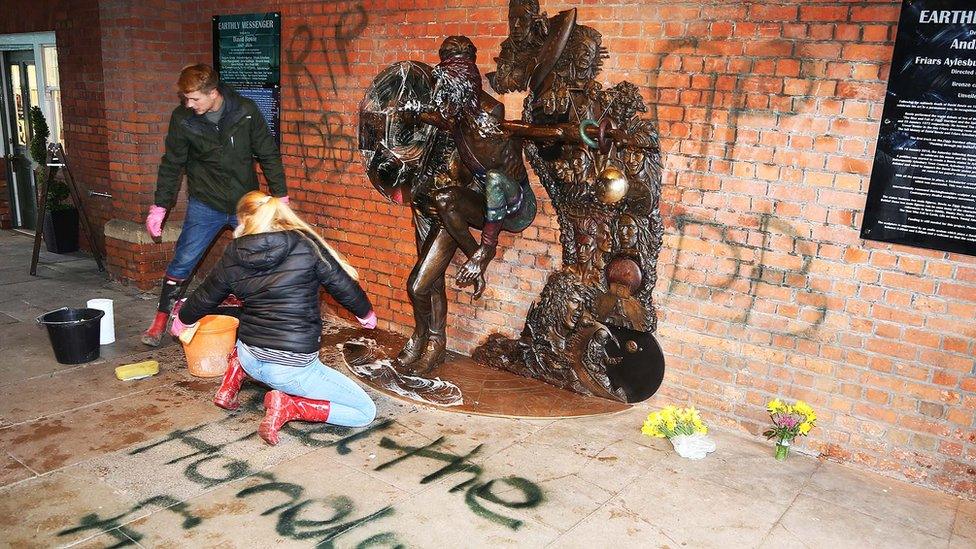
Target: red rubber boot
x,y
235,375
154,334
172,290
280,408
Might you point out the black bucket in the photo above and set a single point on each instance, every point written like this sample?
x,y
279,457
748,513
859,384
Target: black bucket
x,y
74,333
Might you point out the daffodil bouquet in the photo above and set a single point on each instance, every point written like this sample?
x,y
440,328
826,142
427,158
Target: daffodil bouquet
x,y
789,420
673,421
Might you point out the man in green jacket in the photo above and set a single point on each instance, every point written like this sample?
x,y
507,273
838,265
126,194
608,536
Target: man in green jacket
x,y
215,138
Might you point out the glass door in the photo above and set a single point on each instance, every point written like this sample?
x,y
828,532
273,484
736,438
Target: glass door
x,y
20,93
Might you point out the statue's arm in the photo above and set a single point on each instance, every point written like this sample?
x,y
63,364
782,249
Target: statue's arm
x,y
569,133
415,112
434,119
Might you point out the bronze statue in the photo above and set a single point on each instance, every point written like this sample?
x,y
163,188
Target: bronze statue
x,y
488,190
434,139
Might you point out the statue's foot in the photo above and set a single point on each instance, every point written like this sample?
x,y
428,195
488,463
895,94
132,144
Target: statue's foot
x,y
432,357
411,351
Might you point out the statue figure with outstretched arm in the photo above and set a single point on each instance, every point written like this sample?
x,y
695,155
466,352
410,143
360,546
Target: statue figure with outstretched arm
x,y
433,139
490,192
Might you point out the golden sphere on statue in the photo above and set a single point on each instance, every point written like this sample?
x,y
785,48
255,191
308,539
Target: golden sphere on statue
x,y
611,185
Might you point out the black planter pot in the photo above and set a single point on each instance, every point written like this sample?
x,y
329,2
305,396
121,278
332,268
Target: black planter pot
x,y
61,231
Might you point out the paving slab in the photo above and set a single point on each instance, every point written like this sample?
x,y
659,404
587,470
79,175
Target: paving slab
x,y
83,385
780,537
58,509
884,498
11,470
701,513
195,459
608,456
439,518
574,478
17,274
613,525
112,538
833,524
463,432
26,353
741,464
297,503
15,306
72,437
964,526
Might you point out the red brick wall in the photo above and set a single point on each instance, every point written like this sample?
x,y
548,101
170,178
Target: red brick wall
x,y
142,44
77,29
768,115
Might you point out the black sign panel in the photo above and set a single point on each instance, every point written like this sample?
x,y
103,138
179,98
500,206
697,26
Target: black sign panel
x,y
247,55
923,184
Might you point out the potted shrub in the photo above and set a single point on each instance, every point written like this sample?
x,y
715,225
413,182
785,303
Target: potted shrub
x,y
60,216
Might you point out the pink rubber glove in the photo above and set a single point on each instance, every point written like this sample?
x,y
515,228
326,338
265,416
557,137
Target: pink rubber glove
x,y
154,221
283,199
369,321
177,327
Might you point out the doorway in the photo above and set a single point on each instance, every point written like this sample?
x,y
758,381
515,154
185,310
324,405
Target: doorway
x,y
28,78
20,93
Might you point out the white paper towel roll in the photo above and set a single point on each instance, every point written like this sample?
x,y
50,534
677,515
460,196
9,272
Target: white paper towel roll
x,y
107,330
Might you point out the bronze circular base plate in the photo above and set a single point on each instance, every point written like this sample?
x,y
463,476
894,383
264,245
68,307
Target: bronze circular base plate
x,y
484,390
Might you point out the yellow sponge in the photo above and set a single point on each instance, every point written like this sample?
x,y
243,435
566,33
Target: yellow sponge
x,y
139,370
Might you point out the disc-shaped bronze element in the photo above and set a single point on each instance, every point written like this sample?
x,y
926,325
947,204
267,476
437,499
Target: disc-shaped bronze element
x,y
611,185
394,147
641,368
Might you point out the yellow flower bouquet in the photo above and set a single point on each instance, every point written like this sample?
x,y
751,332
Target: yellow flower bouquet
x,y
789,422
683,427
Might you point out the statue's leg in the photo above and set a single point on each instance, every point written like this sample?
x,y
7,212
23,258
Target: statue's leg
x,y
460,208
427,288
421,321
506,204
424,233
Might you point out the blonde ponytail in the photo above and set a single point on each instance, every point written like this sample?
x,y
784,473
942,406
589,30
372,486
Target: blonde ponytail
x,y
260,213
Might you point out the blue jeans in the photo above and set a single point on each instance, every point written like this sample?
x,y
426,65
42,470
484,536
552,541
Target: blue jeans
x,y
350,406
201,225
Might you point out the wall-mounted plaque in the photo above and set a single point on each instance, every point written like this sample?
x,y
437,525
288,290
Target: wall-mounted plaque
x,y
923,183
247,55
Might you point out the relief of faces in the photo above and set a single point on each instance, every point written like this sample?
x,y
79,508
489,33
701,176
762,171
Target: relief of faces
x,y
633,160
574,306
627,229
604,240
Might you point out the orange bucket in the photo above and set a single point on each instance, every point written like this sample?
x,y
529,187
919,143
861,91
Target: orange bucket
x,y
207,352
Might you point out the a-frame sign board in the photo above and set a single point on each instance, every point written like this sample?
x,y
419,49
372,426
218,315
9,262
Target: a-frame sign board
x,y
57,162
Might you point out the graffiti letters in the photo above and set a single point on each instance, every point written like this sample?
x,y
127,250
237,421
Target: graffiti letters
x,y
751,266
322,520
321,141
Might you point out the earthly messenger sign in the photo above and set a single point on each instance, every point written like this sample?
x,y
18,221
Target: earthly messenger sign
x,y
923,185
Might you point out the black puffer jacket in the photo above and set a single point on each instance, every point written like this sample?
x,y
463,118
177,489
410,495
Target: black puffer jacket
x,y
277,275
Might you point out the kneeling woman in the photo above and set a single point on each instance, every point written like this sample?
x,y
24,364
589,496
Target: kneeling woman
x,y
276,264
